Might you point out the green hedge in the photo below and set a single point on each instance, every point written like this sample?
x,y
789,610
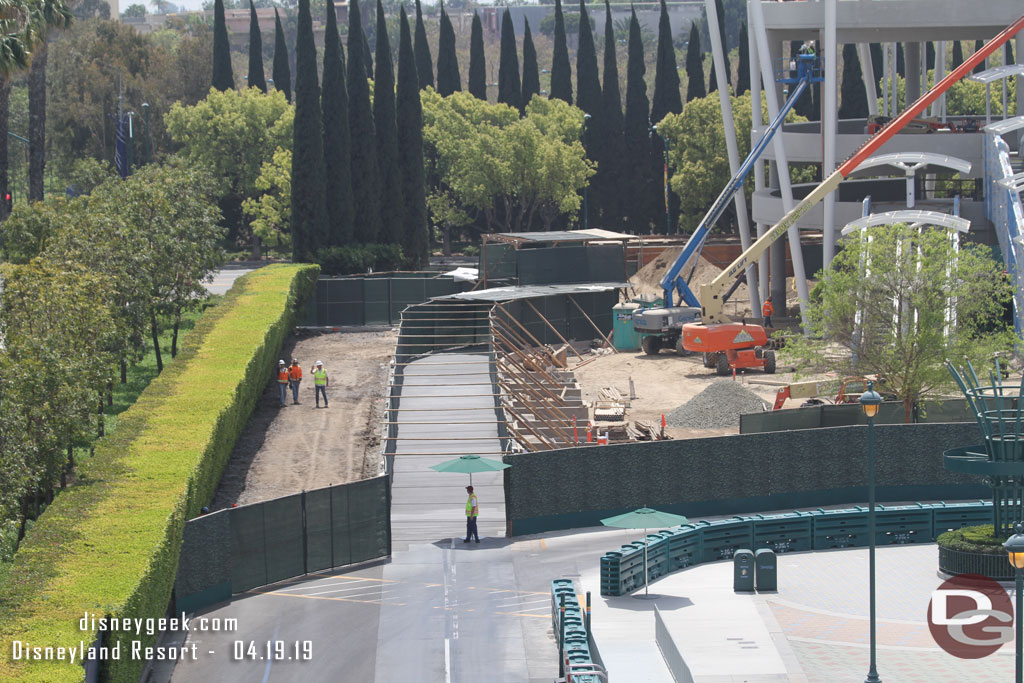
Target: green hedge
x,y
109,544
973,539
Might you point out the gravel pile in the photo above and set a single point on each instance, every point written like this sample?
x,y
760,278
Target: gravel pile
x,y
717,407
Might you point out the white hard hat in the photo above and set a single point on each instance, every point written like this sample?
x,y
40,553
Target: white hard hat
x,y
319,362
280,362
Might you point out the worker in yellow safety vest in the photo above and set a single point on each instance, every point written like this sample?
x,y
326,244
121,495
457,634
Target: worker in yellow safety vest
x,y
320,382
472,510
282,381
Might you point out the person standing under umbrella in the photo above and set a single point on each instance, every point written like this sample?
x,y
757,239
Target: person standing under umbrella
x,y
472,510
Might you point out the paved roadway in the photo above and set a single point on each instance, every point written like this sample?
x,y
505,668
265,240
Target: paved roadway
x,y
226,276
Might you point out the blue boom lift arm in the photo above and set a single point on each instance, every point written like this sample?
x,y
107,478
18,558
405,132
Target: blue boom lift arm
x,y
808,71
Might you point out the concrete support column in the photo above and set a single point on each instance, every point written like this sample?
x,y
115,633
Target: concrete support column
x,y
756,16
885,78
1018,54
912,61
867,72
830,122
939,108
756,122
731,148
893,80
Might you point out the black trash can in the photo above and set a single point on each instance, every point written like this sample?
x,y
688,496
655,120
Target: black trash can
x,y
743,571
766,572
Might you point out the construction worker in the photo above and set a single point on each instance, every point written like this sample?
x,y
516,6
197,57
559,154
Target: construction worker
x,y
282,381
807,48
472,510
767,310
320,382
294,380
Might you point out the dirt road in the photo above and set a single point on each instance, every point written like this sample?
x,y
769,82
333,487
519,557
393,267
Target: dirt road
x,y
285,450
666,381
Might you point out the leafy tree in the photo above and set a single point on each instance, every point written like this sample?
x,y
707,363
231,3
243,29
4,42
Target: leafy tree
x,y
30,227
415,236
853,103
365,188
223,79
282,71
509,88
477,68
898,323
694,66
424,63
561,75
136,10
666,99
958,53
448,79
743,70
232,134
337,140
531,73
697,157
270,212
255,78
511,171
636,131
309,208
607,144
391,201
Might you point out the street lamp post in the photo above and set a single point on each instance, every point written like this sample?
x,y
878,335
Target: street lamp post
x,y
668,219
869,402
586,188
145,117
1014,547
131,140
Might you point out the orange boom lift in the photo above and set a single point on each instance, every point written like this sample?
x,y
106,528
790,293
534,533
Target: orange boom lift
x,y
742,345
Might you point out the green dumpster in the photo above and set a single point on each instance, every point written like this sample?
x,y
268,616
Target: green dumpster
x,y
624,337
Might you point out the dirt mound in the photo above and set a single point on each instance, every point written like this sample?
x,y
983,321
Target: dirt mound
x,y
647,280
717,407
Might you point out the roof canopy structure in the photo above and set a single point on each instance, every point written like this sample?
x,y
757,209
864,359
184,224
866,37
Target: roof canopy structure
x,y
914,217
559,236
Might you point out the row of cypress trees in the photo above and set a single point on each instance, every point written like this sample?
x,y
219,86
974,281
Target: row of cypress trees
x,y
357,170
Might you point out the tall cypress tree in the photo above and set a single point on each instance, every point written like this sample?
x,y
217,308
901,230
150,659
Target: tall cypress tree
x,y
510,89
743,70
561,74
367,58
608,144
1008,46
365,184
666,98
713,81
588,83
929,55
256,78
448,79
876,62
901,66
978,44
223,79
337,143
424,63
958,53
853,102
309,212
531,72
477,66
636,132
391,204
694,66
409,116
282,73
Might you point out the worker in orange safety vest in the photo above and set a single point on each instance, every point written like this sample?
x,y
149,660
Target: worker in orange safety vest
x,y
767,310
295,379
282,381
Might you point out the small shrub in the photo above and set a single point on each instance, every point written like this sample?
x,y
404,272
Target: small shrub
x,y
356,259
973,539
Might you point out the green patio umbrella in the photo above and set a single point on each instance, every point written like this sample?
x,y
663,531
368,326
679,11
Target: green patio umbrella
x,y
645,518
468,464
